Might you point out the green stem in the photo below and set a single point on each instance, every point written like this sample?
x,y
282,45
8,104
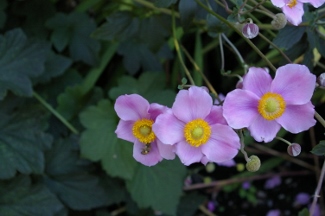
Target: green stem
x,y
162,10
55,113
318,189
319,118
283,140
236,30
177,48
242,146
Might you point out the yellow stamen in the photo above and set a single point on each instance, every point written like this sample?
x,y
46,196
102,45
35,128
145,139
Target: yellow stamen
x,y
197,132
142,131
292,3
271,106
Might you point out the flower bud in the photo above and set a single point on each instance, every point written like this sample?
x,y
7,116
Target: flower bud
x,y
321,80
210,167
253,164
250,30
294,149
279,21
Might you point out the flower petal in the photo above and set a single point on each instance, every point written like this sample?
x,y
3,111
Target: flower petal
x,y
216,116
264,130
278,3
166,151
294,14
315,3
192,104
187,153
223,144
156,109
228,163
297,118
258,81
131,107
168,129
240,108
124,131
150,159
295,83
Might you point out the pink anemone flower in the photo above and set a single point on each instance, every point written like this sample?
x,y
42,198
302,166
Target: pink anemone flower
x,y
135,125
292,9
197,129
264,105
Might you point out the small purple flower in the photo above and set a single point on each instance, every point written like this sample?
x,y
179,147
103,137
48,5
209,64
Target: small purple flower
x,y
137,117
246,185
197,129
264,105
302,199
273,212
250,30
272,182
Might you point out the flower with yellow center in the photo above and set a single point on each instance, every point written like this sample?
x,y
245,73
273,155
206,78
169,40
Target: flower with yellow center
x,y
142,130
292,3
197,132
271,106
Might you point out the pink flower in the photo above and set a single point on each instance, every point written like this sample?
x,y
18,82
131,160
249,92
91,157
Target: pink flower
x,y
264,105
137,117
197,129
293,9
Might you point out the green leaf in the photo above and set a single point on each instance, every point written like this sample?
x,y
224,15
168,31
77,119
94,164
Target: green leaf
x,y
20,197
100,143
164,3
3,15
74,30
115,188
20,59
149,85
304,212
289,36
189,204
187,10
319,149
66,177
150,186
22,142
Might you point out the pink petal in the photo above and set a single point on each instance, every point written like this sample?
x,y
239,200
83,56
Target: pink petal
x,y
228,163
240,108
278,3
150,159
124,130
295,83
204,160
216,116
168,129
297,118
166,151
156,109
187,153
315,3
131,107
223,144
264,130
294,14
192,104
258,81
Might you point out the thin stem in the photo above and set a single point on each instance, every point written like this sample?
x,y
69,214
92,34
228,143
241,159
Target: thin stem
x,y
222,68
320,118
283,140
55,113
177,48
275,46
162,10
317,191
242,146
236,30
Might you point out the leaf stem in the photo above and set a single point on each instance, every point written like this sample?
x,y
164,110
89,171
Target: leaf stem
x,y
317,191
55,113
320,118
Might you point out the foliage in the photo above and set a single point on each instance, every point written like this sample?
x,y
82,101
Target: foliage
x,y
64,63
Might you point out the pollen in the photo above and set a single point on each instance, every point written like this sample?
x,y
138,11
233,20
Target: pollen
x,y
271,106
197,132
142,130
292,3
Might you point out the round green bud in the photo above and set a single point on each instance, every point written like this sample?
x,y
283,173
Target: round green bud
x,y
279,21
253,164
210,167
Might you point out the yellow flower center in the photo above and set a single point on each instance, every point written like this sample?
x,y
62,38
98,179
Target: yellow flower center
x,y
197,132
292,3
271,106
142,131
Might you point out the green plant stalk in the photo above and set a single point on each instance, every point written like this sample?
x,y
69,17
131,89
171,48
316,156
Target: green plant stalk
x,y
320,119
283,140
55,113
162,10
86,5
93,75
317,191
177,48
236,30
